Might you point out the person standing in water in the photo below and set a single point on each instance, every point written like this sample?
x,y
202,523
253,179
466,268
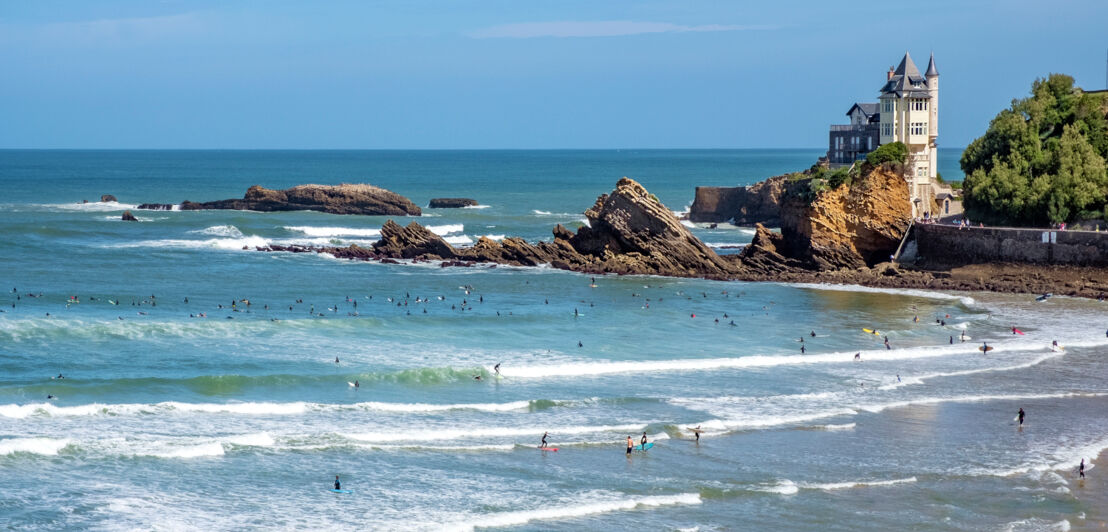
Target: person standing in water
x,y
643,442
1081,469
1020,416
338,486
696,431
630,446
543,444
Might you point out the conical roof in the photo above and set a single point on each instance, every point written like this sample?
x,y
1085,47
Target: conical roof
x,y
931,70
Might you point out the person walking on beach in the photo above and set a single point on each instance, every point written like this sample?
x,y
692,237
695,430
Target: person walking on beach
x,y
543,444
1020,416
630,446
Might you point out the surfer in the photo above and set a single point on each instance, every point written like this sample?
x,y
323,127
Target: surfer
x,y
1020,416
1054,345
643,442
951,340
357,384
579,344
812,334
476,377
802,349
858,356
338,486
496,368
696,431
336,360
544,435
60,376
1081,468
898,378
630,446
51,397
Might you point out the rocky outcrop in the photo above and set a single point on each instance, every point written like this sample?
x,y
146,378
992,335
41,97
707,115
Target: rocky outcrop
x,y
108,197
156,206
128,217
451,203
333,199
756,204
629,232
851,226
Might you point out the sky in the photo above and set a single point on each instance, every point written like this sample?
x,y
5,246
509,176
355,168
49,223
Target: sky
x,y
512,74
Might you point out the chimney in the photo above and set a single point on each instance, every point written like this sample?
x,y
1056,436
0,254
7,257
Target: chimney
x,y
889,75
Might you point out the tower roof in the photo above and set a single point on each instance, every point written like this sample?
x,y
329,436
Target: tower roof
x,y
906,80
931,70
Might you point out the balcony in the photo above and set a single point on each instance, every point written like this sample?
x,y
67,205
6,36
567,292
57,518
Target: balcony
x,y
847,127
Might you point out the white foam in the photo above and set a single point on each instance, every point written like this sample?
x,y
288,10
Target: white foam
x,y
220,230
211,243
92,206
906,380
43,446
783,487
485,432
496,238
580,509
844,426
192,451
260,439
927,294
972,399
729,245
333,231
585,369
477,206
857,484
424,407
443,230
688,224
459,240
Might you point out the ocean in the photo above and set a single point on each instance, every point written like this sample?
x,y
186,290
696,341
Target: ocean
x,y
207,386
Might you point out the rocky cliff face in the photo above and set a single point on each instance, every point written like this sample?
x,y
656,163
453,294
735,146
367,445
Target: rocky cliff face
x,y
756,204
850,226
333,199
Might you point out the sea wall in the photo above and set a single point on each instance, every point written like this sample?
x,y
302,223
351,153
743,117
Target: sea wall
x,y
947,246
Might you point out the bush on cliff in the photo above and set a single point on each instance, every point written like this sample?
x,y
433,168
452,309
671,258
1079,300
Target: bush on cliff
x,y
893,152
1042,160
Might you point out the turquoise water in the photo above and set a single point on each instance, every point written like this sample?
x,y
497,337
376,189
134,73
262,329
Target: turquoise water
x,y
241,419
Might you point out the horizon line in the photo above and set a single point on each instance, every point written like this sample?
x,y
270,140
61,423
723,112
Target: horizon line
x,y
420,149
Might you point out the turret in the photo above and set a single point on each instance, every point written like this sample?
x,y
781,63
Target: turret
x,y
933,88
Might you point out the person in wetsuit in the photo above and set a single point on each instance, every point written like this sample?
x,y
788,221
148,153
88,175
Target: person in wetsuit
x,y
1020,416
338,486
544,435
643,442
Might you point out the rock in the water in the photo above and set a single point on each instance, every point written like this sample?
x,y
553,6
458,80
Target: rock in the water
x,y
333,199
128,217
156,206
414,241
452,203
108,197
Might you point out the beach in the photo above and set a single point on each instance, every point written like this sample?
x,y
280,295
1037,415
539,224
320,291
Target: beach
x,y
208,385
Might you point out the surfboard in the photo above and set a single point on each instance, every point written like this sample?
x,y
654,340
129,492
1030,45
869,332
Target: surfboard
x,y
966,337
551,449
333,490
871,331
640,447
699,431
1017,331
1044,297
351,384
985,349
1057,348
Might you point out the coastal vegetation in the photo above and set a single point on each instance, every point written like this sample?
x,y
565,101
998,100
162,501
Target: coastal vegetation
x,y
1042,160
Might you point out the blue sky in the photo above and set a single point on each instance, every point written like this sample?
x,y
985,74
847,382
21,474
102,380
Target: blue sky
x,y
511,73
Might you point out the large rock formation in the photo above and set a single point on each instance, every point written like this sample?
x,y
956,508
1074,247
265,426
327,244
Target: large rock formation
x,y
851,226
128,217
107,197
759,203
451,203
333,199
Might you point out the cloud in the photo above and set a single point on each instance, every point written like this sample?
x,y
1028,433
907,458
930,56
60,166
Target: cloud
x,y
597,28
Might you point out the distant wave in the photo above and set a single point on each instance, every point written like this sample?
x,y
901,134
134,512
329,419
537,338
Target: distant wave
x,y
392,436
926,294
443,230
477,206
587,506
333,231
461,240
726,245
42,446
92,206
252,408
220,230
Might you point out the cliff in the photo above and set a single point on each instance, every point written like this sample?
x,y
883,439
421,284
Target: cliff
x,y
333,199
849,226
755,204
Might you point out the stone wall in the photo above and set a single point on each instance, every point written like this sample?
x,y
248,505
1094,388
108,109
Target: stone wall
x,y
944,246
756,204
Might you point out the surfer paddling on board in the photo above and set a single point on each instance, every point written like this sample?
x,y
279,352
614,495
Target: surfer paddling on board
x,y
1019,416
544,435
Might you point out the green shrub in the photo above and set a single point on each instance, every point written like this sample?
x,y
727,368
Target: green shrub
x,y
893,152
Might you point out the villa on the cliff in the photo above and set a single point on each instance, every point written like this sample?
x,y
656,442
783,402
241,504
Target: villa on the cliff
x,y
908,112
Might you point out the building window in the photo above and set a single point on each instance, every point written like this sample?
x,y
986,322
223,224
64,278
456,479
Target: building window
x,y
869,143
888,106
921,171
887,129
919,105
919,128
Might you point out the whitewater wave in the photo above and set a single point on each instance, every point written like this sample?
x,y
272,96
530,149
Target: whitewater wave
x,y
332,231
459,240
487,432
726,245
92,206
477,206
443,230
41,446
15,411
229,231
587,506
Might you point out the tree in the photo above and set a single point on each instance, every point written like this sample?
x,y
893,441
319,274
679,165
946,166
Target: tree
x,y
1041,160
893,152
